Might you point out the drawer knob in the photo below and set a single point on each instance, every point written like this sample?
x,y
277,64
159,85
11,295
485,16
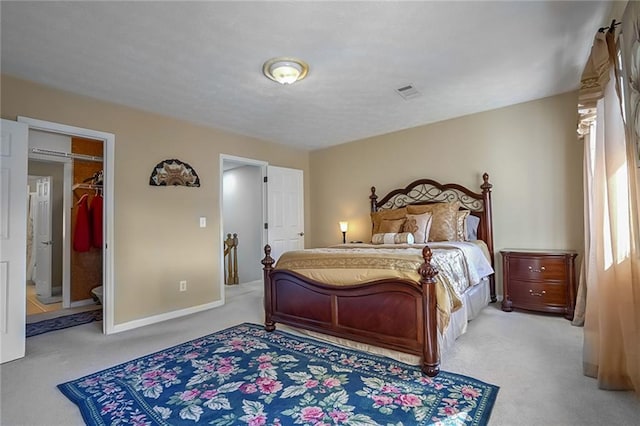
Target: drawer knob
x,y
536,293
536,270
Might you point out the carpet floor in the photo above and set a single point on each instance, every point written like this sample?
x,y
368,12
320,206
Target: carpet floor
x,y
535,359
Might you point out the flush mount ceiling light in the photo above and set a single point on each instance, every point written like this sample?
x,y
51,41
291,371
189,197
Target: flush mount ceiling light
x,y
285,70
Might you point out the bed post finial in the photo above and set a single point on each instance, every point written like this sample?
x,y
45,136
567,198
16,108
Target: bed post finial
x,y
268,262
427,271
486,186
374,199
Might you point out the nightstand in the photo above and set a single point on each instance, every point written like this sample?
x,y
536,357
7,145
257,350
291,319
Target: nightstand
x,y
539,280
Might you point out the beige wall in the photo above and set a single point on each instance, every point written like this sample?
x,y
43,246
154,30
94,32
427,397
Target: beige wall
x,y
157,237
530,151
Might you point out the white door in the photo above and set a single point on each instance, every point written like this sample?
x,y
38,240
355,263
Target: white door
x,y
13,238
285,206
43,236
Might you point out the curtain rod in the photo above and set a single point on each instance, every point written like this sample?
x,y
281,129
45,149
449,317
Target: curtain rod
x,y
66,155
611,27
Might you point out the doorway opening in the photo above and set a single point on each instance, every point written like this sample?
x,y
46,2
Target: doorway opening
x,y
64,225
242,217
45,221
89,173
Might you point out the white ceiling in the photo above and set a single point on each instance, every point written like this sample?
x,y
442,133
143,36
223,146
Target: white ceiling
x,y
202,61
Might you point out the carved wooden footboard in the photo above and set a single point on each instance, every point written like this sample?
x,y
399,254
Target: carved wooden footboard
x,y
394,314
398,314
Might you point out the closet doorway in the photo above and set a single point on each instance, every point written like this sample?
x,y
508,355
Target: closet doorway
x,y
87,261
64,225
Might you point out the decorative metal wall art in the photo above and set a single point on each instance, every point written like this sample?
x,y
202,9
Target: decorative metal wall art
x,y
173,173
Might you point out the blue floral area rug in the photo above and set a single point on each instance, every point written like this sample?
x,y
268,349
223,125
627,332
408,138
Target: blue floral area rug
x,y
247,376
45,326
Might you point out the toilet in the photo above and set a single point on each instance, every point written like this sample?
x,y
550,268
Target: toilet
x,y
96,292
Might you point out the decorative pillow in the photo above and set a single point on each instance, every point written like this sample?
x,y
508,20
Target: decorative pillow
x,y
393,238
444,219
379,216
391,225
419,225
461,226
472,227
404,238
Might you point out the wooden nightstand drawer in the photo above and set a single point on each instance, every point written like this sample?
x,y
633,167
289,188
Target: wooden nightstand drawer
x,y
530,294
537,269
539,280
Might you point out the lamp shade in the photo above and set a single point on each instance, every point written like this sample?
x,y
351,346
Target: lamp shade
x,y
344,226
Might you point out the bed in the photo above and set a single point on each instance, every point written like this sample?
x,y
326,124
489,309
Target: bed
x,y
396,312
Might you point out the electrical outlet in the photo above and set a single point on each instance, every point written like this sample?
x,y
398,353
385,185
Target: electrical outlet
x,y
183,286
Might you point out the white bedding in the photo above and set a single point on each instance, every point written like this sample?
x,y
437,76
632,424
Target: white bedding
x,y
475,254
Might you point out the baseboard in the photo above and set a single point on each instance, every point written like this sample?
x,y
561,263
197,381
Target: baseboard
x,y
130,325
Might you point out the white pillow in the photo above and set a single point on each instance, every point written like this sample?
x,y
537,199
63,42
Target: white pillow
x,y
419,225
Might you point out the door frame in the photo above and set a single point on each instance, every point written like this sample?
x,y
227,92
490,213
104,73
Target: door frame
x,y
108,140
245,162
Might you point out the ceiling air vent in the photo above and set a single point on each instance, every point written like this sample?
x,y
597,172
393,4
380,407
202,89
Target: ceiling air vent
x,y
408,92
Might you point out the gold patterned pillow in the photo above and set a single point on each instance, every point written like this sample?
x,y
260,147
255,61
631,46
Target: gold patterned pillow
x,y
391,225
444,219
461,226
419,225
379,216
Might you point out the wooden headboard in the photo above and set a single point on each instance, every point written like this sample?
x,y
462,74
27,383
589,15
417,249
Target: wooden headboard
x,y
427,191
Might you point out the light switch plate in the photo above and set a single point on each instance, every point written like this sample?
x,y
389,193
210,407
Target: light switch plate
x,y
203,222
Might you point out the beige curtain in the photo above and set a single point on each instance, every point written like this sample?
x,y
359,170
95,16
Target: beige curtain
x,y
610,277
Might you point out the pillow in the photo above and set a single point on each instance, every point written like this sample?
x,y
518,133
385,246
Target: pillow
x,y
419,225
404,238
472,227
461,226
379,216
444,221
393,238
391,225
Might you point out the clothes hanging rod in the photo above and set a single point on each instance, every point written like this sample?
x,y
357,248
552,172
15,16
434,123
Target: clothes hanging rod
x,y
70,155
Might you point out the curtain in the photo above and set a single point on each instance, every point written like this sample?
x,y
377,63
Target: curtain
x,y
610,276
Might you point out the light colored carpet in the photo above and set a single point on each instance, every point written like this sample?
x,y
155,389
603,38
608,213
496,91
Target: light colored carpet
x,y
535,359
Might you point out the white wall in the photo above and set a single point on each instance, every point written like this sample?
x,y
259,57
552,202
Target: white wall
x,y
242,214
